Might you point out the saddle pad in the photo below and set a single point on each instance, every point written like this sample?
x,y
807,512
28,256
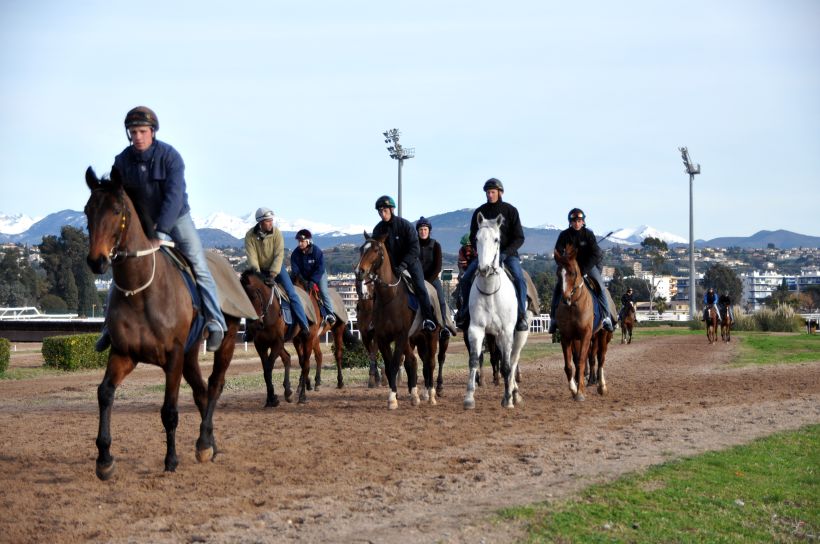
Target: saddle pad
x,y
338,305
533,302
232,297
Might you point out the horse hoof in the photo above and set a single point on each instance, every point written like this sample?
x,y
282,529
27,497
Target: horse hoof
x,y
392,404
289,396
315,388
518,399
602,390
340,385
425,395
371,382
469,404
204,455
432,396
580,397
272,403
104,473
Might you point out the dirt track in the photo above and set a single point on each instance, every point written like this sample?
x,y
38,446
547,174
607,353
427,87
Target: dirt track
x,y
344,469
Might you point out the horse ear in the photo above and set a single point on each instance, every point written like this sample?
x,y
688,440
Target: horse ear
x,y
382,239
366,236
480,218
499,220
91,179
116,177
557,255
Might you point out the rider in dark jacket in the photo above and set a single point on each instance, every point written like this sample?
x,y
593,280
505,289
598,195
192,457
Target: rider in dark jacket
x,y
430,257
307,262
402,244
589,258
627,301
512,238
725,302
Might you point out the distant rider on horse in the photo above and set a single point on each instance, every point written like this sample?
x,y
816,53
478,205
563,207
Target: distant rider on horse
x,y
589,260
710,298
307,263
512,238
430,258
627,303
466,254
265,248
402,242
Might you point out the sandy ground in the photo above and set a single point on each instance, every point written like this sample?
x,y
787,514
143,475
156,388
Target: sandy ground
x,y
343,469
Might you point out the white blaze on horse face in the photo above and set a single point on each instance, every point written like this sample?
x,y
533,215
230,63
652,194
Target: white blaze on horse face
x,y
564,279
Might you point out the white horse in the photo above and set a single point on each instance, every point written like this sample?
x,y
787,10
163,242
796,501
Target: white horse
x,y
494,310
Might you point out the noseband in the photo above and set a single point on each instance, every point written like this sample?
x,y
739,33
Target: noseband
x,y
373,277
575,289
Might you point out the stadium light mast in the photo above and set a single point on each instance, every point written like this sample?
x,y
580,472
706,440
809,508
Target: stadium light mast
x,y
692,169
399,153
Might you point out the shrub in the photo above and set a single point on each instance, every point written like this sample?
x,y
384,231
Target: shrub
x,y
780,319
73,352
5,354
356,356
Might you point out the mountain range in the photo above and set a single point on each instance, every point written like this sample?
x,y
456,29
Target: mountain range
x,y
223,230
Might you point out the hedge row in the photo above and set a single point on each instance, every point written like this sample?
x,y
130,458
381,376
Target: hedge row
x,y
73,352
5,354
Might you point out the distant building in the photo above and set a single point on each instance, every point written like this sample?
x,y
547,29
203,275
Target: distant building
x,y
345,284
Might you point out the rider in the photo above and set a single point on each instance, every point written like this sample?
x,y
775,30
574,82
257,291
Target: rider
x,y
465,254
265,249
430,258
725,301
153,173
512,238
308,264
627,301
402,244
589,260
710,298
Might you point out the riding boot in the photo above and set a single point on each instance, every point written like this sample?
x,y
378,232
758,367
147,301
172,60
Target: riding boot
x,y
553,327
104,341
215,336
522,324
463,318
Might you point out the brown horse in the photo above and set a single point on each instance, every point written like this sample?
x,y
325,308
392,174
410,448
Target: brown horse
x,y
395,323
149,317
341,338
627,323
726,325
270,334
364,317
575,317
711,323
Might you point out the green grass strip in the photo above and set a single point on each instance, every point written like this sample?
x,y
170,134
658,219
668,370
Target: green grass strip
x,y
766,491
768,348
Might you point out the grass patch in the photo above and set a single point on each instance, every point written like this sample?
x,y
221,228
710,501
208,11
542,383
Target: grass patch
x,y
766,491
767,348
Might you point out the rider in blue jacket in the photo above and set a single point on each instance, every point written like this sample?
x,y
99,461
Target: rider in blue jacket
x,y
710,298
307,262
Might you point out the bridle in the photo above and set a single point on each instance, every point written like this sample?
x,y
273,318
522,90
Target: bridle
x,y
373,275
118,255
493,270
575,289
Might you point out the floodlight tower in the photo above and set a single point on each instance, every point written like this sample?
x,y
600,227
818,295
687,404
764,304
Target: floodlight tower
x,y
399,153
692,169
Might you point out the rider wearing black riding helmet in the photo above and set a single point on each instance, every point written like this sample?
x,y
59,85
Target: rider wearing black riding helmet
x,y
308,264
402,242
430,258
588,257
710,298
512,238
627,302
153,174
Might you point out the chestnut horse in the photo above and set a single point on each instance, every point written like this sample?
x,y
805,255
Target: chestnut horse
x,y
575,318
725,325
711,323
269,337
395,323
627,323
149,317
341,337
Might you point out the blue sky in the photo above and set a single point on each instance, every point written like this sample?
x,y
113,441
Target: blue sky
x,y
283,104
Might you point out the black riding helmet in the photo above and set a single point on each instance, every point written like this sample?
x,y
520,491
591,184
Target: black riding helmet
x,y
141,116
304,234
493,183
577,213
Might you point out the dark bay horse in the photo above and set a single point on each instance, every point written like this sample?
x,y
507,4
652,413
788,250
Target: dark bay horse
x,y
726,325
711,323
575,318
269,337
149,317
627,323
395,324
364,317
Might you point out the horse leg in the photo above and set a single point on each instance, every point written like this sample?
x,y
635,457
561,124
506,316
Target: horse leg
x,y
206,444
411,367
119,366
338,345
602,349
495,361
476,340
169,411
391,359
318,357
205,447
566,347
303,351
430,366
442,354
505,345
581,364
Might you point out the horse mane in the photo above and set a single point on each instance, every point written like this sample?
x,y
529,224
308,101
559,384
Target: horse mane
x,y
244,278
109,185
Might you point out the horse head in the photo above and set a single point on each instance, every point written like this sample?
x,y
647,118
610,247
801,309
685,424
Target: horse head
x,y
108,213
569,273
258,292
373,261
488,242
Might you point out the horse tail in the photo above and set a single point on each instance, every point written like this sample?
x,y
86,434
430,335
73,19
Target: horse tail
x,y
349,339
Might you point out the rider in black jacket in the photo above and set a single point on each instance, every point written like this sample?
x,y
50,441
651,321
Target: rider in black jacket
x,y
589,258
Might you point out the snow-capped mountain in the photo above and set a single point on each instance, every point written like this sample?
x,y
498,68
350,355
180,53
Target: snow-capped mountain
x,y
238,226
16,223
548,226
634,236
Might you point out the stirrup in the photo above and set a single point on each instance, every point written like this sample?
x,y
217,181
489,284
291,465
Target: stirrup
x,y
428,325
215,336
330,319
